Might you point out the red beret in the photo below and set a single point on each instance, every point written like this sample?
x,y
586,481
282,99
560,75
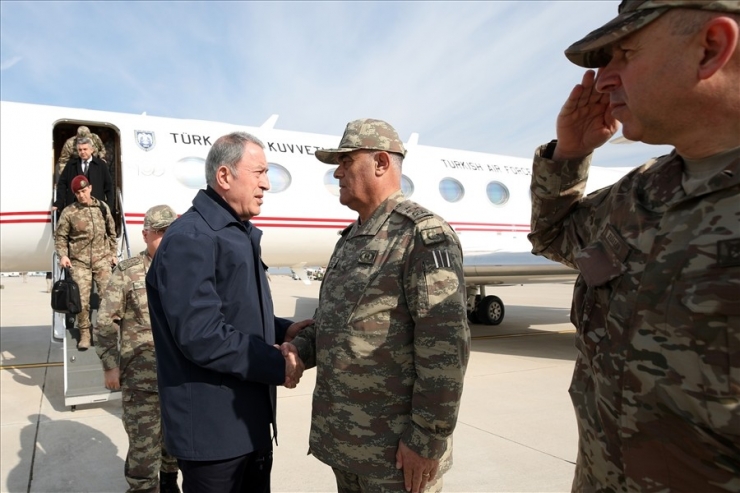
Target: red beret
x,y
79,182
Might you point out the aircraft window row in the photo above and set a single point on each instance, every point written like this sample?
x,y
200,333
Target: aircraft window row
x,y
450,189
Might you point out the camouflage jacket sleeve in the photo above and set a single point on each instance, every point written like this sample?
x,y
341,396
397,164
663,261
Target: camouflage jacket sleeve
x,y
61,235
99,147
305,342
112,310
558,209
67,151
435,291
110,227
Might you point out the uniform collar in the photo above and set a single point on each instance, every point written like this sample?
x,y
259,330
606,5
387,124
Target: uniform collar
x,y
380,215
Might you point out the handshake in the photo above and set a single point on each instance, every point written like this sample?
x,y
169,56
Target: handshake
x,y
294,366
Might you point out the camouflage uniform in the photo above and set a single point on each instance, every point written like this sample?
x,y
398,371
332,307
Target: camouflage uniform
x,y
125,303
656,386
89,241
70,149
390,342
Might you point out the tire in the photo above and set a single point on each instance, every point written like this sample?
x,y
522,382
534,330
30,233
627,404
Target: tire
x,y
490,310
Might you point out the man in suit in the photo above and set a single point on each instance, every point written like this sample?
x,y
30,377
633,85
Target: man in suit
x,y
91,167
214,329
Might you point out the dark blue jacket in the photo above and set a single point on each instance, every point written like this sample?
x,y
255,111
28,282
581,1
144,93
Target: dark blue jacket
x,y
214,330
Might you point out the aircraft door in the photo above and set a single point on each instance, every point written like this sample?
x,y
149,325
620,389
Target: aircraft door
x,y
109,136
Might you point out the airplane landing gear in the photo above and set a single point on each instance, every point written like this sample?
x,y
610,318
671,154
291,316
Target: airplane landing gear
x,y
482,309
490,310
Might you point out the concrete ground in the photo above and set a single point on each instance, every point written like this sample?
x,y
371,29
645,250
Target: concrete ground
x,y
516,431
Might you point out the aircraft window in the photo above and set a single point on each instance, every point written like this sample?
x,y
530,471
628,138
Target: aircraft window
x,y
407,186
279,177
451,190
191,172
497,193
331,183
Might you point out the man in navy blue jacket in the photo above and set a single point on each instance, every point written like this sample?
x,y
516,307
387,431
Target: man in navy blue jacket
x,y
214,329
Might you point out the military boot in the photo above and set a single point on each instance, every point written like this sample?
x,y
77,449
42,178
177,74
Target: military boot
x,y
168,482
84,339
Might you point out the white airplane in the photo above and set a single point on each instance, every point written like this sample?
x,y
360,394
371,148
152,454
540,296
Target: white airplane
x,y
153,160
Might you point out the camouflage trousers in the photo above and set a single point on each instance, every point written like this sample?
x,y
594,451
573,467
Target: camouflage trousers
x,y
352,483
146,452
84,276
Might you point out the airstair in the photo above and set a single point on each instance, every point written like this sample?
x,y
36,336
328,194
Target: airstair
x,y
83,372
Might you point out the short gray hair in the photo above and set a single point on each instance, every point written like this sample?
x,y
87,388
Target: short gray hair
x,y
228,151
396,160
85,140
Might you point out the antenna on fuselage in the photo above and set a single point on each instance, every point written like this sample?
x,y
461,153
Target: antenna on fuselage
x,y
413,139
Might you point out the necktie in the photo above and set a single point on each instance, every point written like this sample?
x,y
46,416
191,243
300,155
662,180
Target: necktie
x,y
84,167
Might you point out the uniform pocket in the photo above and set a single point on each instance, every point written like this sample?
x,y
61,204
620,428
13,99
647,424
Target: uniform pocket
x,y
713,303
601,265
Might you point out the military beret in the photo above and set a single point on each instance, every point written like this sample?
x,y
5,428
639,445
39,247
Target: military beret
x,y
79,182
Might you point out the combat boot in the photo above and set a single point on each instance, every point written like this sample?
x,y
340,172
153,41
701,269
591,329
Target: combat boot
x,y
168,482
84,339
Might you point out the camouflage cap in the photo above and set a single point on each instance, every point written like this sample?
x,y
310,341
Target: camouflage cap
x,y
159,217
364,134
593,50
83,130
79,182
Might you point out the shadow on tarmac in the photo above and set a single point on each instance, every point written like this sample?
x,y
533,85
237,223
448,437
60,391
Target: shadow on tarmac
x,y
83,458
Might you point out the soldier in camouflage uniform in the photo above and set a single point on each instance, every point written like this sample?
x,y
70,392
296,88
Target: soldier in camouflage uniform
x,y
124,319
656,386
70,146
391,340
85,240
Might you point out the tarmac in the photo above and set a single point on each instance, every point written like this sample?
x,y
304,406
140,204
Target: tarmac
x,y
516,431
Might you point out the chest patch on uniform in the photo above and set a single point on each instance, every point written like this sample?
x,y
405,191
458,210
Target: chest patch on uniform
x,y
367,257
432,236
728,252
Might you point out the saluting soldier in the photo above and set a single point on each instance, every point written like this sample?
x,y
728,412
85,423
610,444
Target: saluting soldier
x,y
85,241
124,320
391,340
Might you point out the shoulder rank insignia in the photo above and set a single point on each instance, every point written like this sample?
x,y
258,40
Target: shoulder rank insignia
x,y
413,211
129,262
432,236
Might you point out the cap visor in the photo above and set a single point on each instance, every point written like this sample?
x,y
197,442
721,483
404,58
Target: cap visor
x,y
329,156
591,51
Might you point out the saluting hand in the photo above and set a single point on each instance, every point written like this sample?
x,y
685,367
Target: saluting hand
x,y
585,121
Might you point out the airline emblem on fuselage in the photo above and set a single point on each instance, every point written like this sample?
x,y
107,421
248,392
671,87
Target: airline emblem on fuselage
x,y
145,139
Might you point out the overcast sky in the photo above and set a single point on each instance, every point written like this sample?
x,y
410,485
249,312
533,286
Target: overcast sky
x,y
481,76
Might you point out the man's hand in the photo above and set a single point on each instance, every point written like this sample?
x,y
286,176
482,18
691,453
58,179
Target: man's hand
x,y
112,379
584,122
295,328
417,471
293,365
113,261
65,262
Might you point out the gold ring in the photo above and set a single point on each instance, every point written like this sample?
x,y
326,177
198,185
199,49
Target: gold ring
x,y
425,474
